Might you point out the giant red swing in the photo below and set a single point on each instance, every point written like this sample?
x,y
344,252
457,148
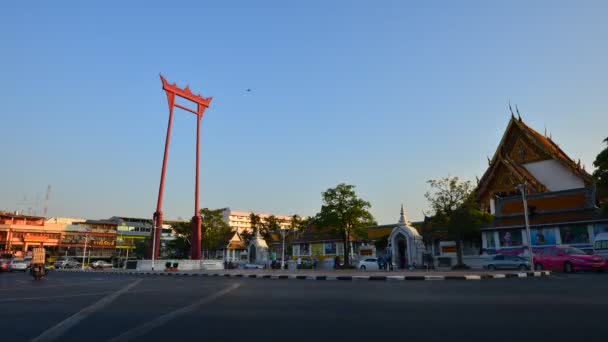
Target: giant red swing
x,y
172,91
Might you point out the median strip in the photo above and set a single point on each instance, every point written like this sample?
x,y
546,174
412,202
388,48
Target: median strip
x,y
344,277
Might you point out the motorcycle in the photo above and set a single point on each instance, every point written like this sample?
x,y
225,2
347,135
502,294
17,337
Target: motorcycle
x,y
37,271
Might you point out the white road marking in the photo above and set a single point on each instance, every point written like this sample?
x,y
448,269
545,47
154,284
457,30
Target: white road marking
x,y
162,320
59,329
70,296
53,286
52,297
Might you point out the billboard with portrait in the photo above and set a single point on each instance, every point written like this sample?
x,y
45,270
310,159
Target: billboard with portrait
x,y
543,237
330,248
510,237
575,234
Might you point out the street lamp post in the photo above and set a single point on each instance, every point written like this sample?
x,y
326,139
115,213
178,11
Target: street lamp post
x,y
522,189
84,254
283,256
153,241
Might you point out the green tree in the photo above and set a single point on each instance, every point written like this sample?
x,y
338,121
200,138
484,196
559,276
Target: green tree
x,y
298,224
346,213
214,230
180,246
141,248
270,225
455,211
256,222
601,175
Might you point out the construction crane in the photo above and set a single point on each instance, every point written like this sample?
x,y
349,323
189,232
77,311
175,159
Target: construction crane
x,y
46,200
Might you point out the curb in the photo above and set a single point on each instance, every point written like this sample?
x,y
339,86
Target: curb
x,y
473,277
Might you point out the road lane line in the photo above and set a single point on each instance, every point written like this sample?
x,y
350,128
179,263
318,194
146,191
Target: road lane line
x,y
162,320
71,295
55,286
59,329
54,297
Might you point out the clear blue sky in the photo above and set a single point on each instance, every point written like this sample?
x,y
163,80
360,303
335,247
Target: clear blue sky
x,y
384,95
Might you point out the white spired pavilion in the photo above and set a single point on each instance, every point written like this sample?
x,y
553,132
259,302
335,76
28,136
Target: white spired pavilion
x,y
405,244
258,249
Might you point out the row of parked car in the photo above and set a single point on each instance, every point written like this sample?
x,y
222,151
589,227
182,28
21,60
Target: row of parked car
x,y
17,264
12,265
67,263
558,258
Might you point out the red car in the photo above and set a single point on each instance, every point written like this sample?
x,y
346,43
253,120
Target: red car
x,y
4,265
568,259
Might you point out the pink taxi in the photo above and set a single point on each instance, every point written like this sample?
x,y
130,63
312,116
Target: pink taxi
x,y
568,259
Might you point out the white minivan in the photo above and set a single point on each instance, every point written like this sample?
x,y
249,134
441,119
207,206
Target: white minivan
x,y
600,245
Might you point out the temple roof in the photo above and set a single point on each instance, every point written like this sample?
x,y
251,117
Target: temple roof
x,y
313,233
520,146
236,242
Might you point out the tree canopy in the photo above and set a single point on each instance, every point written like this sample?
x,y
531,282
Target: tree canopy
x,y
454,210
601,175
346,213
213,233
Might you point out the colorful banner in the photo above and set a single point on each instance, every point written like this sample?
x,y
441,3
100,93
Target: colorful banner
x,y
574,234
543,237
510,237
330,248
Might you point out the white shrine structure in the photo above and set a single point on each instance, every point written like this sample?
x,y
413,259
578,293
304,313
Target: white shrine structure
x,y
405,245
258,249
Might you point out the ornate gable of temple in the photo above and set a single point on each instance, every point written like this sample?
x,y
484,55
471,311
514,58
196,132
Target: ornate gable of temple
x,y
524,155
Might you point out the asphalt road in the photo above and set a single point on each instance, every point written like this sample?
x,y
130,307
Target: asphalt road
x,y
100,307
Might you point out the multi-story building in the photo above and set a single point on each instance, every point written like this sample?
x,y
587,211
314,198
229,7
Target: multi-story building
x,y
241,220
91,238
131,230
20,233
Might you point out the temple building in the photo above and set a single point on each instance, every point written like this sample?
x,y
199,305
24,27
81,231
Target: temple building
x,y
561,195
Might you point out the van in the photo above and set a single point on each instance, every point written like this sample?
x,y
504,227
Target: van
x,y
600,245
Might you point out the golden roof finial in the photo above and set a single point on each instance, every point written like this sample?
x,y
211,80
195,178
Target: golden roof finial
x,y
518,115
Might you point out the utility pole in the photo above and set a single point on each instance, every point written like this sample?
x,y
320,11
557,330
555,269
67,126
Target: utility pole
x,y
283,257
522,189
84,254
46,200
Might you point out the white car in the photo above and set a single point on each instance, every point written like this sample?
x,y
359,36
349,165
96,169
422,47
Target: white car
x,y
18,265
101,264
368,264
253,266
